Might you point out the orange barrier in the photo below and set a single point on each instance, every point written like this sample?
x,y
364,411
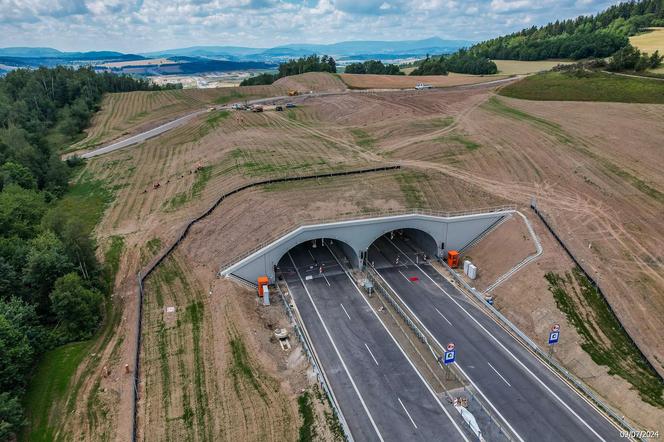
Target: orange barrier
x,y
453,259
262,280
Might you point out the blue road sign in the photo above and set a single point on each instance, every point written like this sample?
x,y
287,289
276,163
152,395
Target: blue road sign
x,y
554,336
449,357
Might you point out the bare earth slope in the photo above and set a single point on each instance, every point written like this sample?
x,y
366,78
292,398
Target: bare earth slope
x,y
311,81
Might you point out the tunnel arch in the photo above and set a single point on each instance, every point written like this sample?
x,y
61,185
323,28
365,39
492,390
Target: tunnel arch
x,y
420,238
331,241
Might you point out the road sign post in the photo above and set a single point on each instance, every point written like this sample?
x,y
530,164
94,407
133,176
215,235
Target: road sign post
x,y
554,337
450,354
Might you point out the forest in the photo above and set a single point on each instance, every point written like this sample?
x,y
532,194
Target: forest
x,y
312,63
462,62
373,67
600,35
52,287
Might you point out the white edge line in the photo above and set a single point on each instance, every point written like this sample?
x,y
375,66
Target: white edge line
x,y
372,355
511,354
444,317
498,373
428,387
343,363
407,413
345,311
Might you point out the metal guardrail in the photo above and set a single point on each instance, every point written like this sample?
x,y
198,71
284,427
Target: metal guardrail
x,y
547,224
526,341
349,216
375,278
320,373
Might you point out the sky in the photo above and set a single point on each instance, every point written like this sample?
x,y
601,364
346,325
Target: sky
x,y
150,25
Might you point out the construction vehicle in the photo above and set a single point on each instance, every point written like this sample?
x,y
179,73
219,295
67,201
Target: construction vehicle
x,y
293,93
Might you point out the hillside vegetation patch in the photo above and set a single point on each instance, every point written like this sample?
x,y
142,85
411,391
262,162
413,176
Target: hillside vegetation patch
x,y
602,335
588,86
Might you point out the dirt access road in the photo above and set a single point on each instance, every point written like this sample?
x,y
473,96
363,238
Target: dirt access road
x,y
178,122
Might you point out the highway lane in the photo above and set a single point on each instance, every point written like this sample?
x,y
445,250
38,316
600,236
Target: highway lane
x,y
380,393
143,136
532,401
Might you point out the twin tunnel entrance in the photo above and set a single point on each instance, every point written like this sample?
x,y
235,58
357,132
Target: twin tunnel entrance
x,y
327,255
356,240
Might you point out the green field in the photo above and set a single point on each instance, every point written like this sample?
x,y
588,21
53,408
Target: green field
x,y
587,86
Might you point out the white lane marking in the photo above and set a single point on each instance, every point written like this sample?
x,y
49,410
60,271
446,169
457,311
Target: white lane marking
x,y
372,355
328,282
457,363
498,373
405,277
407,413
510,353
334,345
312,255
419,375
345,311
448,321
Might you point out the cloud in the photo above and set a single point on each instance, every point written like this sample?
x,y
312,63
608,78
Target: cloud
x,y
146,25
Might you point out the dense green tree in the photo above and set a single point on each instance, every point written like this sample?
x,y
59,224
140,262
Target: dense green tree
x,y
41,111
312,63
13,173
630,58
25,320
16,356
47,261
21,211
11,416
373,67
259,79
587,36
76,307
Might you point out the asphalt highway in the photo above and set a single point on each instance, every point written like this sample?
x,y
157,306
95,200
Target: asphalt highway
x,y
532,401
380,393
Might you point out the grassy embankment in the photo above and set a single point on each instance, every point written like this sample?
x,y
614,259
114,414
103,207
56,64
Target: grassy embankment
x,y
591,86
602,335
50,388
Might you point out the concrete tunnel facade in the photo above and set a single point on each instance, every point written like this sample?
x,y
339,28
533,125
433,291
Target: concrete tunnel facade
x,y
356,236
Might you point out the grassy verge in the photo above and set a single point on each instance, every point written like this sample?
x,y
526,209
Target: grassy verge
x,y
465,142
409,185
233,96
307,431
586,86
203,175
603,337
263,163
241,369
497,106
363,139
50,383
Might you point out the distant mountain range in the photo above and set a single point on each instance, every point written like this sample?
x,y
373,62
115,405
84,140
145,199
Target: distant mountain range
x,y
343,50
199,59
